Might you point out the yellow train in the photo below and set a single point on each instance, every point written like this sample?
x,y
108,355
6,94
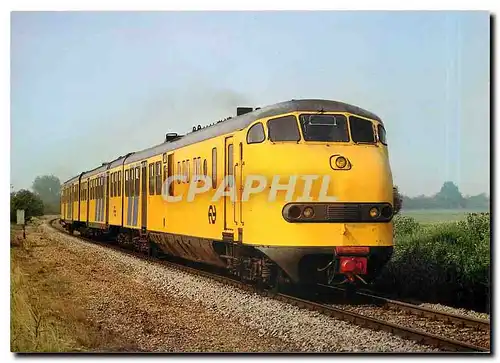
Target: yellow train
x,y
305,187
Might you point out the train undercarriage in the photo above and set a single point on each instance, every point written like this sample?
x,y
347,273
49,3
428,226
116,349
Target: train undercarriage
x,y
261,265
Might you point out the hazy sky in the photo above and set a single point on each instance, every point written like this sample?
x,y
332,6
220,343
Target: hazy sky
x,y
88,87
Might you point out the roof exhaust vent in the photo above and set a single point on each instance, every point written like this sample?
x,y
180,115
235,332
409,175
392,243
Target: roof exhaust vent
x,y
171,136
243,110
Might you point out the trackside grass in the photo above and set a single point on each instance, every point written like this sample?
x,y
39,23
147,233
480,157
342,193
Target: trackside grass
x,y
445,262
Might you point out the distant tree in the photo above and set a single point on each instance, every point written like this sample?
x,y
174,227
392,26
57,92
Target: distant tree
x,y
30,202
48,188
449,196
397,200
480,201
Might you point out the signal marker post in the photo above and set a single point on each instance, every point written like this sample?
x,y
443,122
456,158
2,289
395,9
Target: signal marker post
x,y
20,220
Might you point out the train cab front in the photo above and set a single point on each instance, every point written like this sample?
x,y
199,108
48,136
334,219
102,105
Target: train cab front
x,y
337,227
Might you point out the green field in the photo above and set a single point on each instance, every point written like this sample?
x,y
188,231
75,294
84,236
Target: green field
x,y
438,215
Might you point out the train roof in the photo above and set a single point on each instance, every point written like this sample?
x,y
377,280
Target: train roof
x,y
234,124
240,122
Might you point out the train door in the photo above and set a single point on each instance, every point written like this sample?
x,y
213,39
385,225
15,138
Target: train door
x,y
106,183
144,195
229,206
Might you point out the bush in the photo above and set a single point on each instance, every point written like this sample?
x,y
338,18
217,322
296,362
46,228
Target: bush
x,y
446,262
30,202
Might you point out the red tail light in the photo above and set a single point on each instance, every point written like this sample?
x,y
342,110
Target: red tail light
x,y
355,265
352,250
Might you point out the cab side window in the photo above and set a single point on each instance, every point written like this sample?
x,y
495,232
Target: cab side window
x,y
283,129
256,134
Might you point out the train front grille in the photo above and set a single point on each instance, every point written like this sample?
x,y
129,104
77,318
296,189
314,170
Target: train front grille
x,y
343,213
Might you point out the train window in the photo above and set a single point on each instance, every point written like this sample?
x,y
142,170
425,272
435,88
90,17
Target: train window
x,y
137,181
164,179
214,167
283,129
361,130
119,183
382,135
230,164
112,183
158,178
126,183
256,134
198,168
132,182
178,171
195,169
188,171
184,169
151,179
326,128
205,167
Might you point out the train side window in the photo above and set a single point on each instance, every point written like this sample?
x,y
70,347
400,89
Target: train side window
x,y
256,134
381,134
151,179
283,129
132,182
214,168
164,179
178,171
116,183
188,171
361,130
195,169
126,183
112,183
158,177
184,170
230,164
119,183
205,167
137,181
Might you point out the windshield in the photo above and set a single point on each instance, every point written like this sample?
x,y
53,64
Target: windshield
x,y
317,127
361,130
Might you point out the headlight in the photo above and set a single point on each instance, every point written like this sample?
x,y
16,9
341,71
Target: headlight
x,y
308,212
374,212
294,212
341,162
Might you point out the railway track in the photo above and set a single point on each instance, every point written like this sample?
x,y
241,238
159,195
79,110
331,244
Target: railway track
x,y
366,321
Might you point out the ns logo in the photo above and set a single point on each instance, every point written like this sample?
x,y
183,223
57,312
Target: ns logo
x,y
212,214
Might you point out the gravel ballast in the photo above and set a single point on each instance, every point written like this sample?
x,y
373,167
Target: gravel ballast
x,y
300,329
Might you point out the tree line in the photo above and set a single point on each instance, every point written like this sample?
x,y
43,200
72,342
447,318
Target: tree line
x,y
44,199
448,197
